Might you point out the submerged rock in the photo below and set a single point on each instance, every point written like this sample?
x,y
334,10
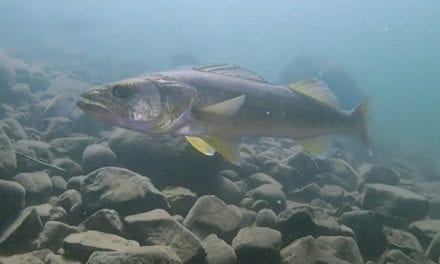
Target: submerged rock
x,y
33,257
433,250
140,255
82,245
381,174
181,199
8,161
257,245
266,218
211,215
120,189
401,239
324,249
96,156
17,233
13,129
425,230
12,197
38,186
271,194
218,251
396,201
158,228
53,233
104,220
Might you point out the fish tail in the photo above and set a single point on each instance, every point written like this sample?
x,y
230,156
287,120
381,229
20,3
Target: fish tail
x,y
359,114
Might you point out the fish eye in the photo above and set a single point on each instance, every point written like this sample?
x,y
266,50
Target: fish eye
x,y
121,91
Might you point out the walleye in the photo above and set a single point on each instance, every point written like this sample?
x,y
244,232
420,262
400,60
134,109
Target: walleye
x,y
214,105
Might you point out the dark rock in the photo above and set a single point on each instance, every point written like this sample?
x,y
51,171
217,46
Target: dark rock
x,y
140,255
59,185
53,234
247,202
272,194
425,230
330,178
33,257
170,159
248,219
218,251
434,208
401,239
304,164
8,160
223,188
332,194
72,147
298,222
260,178
13,129
396,201
367,226
96,156
381,174
230,174
433,250
104,220
69,198
257,245
71,167
18,233
340,169
48,212
260,204
12,197
324,249
158,228
37,184
266,218
75,182
58,127
180,199
288,176
82,245
211,215
306,194
120,189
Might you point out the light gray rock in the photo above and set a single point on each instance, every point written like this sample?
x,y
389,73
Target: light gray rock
x,y
401,239
82,245
260,178
218,251
156,227
48,212
37,184
72,147
59,259
13,129
425,230
324,249
69,198
120,189
211,215
58,184
180,199
71,167
53,234
395,201
141,255
33,257
257,245
96,156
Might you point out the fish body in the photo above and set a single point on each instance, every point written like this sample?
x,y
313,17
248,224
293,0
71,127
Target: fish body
x,y
214,105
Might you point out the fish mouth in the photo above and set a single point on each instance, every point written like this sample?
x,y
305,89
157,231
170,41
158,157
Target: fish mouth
x,y
95,108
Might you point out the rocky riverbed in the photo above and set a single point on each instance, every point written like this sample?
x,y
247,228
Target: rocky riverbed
x,y
73,190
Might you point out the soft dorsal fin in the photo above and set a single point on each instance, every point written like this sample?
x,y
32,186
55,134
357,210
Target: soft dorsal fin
x,y
317,90
226,108
208,145
231,70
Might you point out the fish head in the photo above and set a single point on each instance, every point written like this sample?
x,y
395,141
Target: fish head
x,y
151,105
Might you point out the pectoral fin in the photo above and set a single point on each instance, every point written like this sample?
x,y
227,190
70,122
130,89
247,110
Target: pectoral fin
x,y
210,144
226,108
201,145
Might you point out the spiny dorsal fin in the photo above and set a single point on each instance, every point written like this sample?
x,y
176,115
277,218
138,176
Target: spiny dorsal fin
x,y
231,70
226,108
317,90
208,145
